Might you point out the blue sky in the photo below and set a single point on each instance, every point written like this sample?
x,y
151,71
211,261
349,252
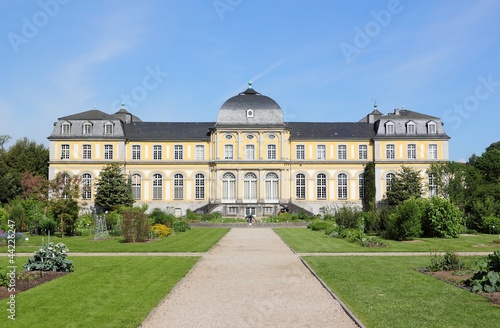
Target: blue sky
x,y
321,60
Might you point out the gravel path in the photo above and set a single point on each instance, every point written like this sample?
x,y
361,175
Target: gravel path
x,y
249,279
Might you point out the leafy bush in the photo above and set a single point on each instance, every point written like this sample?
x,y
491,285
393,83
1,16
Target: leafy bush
x,y
4,218
158,216
491,224
371,241
211,216
441,218
192,216
50,258
405,223
161,230
348,218
4,277
135,225
351,235
319,225
487,279
112,219
84,225
372,222
449,262
181,226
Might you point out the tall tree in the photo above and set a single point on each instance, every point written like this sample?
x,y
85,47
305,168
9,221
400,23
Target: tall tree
x,y
112,188
28,156
370,190
406,184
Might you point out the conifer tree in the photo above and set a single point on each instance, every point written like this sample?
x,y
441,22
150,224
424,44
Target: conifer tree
x,y
112,188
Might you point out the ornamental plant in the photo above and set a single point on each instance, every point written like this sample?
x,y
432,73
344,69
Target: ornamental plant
x,y
487,279
50,258
161,230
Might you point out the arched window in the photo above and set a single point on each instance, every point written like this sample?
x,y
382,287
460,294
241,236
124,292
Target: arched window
x,y
178,186
300,186
361,186
136,186
157,186
250,186
199,186
228,186
411,127
272,186
342,185
389,178
321,186
389,127
432,185
86,186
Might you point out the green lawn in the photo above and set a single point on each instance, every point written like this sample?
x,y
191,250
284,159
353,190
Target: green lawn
x,y
194,240
102,292
308,241
389,292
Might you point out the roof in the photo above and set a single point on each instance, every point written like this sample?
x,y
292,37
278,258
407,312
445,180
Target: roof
x,y
331,130
93,114
168,130
408,114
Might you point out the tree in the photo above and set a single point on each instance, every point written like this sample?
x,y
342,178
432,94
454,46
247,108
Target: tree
x,y
4,139
112,188
64,191
406,184
370,189
26,155
489,164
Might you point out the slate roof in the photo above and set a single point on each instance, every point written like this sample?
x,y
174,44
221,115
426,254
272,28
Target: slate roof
x,y
408,114
250,99
168,130
93,114
330,130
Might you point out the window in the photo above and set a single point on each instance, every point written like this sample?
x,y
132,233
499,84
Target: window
x,y
108,151
268,210
271,151
389,178
321,186
433,151
342,185
232,210
136,152
86,186
410,127
300,151
250,186
363,152
137,186
390,152
249,112
157,150
199,186
389,128
199,152
229,136
250,136
272,186
87,151
178,152
228,152
432,185
300,186
271,136
431,127
250,152
228,186
361,186
342,152
412,151
178,186
65,129
64,151
87,128
321,151
157,186
108,129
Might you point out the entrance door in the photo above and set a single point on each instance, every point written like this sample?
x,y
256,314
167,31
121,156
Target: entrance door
x,y
249,211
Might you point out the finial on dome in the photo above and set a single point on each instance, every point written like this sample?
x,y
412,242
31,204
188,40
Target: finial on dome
x,y
250,84
374,103
95,107
123,105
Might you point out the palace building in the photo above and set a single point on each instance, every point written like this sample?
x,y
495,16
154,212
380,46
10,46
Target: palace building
x,y
249,161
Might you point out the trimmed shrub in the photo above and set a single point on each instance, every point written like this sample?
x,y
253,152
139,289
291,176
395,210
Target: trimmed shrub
x,y
162,217
50,258
319,225
441,218
161,230
405,223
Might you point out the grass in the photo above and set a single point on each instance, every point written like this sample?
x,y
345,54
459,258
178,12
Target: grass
x,y
194,240
308,241
102,292
389,292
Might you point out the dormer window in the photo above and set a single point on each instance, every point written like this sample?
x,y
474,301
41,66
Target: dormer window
x,y
389,128
108,129
65,128
431,127
87,128
249,112
411,128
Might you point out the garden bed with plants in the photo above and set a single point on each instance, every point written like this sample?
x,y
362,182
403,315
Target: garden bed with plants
x,y
29,279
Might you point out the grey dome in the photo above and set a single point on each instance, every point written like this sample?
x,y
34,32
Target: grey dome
x,y
250,108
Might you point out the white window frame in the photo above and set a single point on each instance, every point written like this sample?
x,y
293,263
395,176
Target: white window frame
x,y
342,152
87,129
272,186
228,152
389,128
321,152
342,182
250,152
390,151
157,187
228,187
66,129
300,186
389,178
271,152
361,186
411,151
108,129
108,151
199,186
136,152
362,151
65,151
199,152
136,182
86,186
178,152
321,182
87,151
157,152
411,128
300,152
431,127
178,186
433,151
